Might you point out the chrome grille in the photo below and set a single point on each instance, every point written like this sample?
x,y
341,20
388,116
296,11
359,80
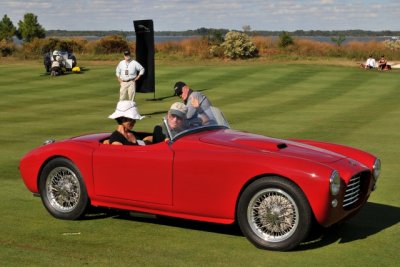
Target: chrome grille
x,y
353,190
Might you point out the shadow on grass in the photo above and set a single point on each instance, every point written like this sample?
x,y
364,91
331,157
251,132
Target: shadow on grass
x,y
372,219
102,213
82,71
363,225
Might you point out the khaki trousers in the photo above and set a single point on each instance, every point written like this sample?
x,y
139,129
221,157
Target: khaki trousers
x,y
127,91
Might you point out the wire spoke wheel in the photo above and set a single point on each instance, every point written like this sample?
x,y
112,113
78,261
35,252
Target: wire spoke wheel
x,y
63,189
273,215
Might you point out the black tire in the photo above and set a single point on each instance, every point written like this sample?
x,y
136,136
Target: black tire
x,y
274,214
47,63
62,190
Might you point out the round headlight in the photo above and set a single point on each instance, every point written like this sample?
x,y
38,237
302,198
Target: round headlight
x,y
334,183
376,169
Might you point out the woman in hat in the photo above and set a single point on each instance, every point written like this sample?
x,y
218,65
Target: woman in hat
x,y
126,115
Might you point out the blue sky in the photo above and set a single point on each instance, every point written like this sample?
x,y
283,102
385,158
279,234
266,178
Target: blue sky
x,y
177,15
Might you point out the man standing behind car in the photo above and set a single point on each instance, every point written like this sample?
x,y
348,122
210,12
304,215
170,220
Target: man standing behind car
x,y
128,72
197,103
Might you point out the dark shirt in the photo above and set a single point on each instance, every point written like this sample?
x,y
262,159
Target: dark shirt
x,y
118,137
159,134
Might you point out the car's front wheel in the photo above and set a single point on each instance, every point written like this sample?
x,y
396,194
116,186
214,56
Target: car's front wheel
x,y
62,189
274,214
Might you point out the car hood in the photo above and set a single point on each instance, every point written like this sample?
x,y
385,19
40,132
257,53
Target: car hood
x,y
263,144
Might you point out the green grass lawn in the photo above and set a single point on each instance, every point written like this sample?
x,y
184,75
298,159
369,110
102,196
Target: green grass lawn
x,y
339,104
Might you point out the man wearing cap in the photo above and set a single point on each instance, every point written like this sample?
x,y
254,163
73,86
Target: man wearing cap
x,y
197,103
176,120
128,72
126,115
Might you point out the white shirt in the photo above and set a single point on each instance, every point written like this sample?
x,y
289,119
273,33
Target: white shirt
x,y
371,62
129,70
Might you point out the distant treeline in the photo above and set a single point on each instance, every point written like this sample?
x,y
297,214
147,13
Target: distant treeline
x,y
210,31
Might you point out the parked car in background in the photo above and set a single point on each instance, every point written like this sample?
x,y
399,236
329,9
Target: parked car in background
x,y
275,189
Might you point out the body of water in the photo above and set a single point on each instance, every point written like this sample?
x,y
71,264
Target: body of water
x,y
348,38
157,39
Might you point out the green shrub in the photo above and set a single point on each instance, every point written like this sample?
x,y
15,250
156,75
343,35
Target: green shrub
x,y
110,44
285,40
6,48
37,47
34,48
216,51
238,45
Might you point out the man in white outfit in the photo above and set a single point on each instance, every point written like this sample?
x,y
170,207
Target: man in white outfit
x,y
371,63
128,72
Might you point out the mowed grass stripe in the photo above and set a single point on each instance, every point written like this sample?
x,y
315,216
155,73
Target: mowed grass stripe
x,y
66,83
314,102
359,105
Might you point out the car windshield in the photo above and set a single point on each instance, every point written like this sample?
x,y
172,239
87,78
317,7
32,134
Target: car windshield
x,y
212,118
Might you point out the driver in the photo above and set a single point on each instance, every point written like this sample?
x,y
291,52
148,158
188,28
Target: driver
x,y
57,64
176,120
126,115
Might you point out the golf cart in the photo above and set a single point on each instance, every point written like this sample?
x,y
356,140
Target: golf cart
x,y
67,60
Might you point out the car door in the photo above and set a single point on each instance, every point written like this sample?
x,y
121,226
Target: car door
x,y
134,173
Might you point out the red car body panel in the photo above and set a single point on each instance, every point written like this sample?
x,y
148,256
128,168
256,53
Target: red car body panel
x,y
200,176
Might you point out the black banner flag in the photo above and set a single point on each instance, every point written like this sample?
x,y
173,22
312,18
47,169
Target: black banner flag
x,y
145,54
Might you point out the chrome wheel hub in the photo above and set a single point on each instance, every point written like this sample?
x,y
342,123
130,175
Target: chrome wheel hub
x,y
273,215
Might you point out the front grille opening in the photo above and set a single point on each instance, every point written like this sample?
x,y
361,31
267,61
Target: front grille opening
x,y
353,190
356,190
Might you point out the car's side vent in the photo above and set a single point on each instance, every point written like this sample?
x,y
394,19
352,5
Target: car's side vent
x,y
352,194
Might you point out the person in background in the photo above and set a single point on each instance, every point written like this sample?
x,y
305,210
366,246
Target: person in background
x,y
128,72
176,120
197,103
56,64
370,63
382,63
126,115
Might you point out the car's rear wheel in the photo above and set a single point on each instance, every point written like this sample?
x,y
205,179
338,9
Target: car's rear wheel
x,y
62,189
274,214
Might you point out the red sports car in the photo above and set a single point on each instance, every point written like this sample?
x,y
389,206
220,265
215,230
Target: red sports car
x,y
273,188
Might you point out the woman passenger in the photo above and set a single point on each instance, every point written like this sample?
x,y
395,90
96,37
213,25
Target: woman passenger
x,y
126,115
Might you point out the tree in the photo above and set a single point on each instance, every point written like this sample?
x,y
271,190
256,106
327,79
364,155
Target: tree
x,y
246,28
29,28
285,39
7,29
338,41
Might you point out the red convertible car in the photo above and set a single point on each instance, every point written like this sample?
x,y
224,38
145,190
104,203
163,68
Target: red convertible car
x,y
273,188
